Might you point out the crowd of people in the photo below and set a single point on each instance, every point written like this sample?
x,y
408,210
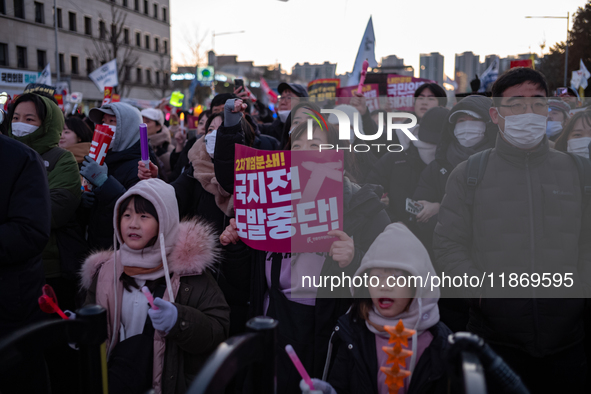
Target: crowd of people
x,y
502,183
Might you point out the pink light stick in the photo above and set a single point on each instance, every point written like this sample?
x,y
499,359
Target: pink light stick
x,y
362,78
298,364
149,297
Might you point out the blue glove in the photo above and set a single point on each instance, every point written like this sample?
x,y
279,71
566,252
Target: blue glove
x,y
163,318
95,174
319,385
87,200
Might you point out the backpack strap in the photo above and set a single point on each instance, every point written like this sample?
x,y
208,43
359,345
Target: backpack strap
x,y
584,168
51,157
475,170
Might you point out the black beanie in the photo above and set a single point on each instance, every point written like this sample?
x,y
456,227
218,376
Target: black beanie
x,y
432,125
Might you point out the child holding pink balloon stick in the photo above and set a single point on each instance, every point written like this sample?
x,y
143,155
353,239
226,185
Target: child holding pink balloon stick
x,y
159,258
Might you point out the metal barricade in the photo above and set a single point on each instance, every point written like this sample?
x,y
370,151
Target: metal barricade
x,y
254,350
89,331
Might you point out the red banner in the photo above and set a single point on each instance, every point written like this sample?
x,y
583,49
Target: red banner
x,y
401,90
521,63
267,90
370,91
287,201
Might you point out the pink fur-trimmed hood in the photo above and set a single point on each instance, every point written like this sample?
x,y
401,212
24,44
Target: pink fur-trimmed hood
x,y
194,251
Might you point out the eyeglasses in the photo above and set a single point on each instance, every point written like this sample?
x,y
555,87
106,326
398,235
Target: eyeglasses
x,y
540,108
286,96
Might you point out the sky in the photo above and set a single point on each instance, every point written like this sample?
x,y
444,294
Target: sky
x,y
315,31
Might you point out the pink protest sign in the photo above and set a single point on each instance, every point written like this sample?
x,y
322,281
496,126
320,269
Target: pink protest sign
x,y
370,91
401,90
287,201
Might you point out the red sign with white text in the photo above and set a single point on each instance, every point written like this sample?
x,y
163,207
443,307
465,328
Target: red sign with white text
x,y
370,91
287,201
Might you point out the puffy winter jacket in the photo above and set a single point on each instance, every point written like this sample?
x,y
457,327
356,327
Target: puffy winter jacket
x,y
527,217
355,368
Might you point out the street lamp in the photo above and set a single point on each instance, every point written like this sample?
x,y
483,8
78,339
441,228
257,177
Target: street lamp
x,y
567,17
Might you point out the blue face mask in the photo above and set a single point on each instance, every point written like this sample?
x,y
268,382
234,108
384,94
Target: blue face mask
x,y
553,128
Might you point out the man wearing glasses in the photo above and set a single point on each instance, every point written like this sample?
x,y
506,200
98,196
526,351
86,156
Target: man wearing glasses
x,y
289,94
526,215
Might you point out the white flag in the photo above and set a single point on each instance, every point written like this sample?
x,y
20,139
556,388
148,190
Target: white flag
x,y
44,76
585,74
105,75
489,75
576,79
366,51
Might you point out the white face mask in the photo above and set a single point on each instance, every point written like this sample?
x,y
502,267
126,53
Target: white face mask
x,y
524,131
579,146
20,129
210,142
553,127
283,115
470,132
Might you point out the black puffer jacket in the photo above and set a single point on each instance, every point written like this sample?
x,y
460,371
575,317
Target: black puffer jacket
x,y
25,223
355,368
527,217
122,175
431,185
398,173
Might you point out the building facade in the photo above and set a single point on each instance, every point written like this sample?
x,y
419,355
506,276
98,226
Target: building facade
x,y
431,66
86,33
308,72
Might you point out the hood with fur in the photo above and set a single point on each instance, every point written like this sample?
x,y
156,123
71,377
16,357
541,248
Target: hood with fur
x,y
194,250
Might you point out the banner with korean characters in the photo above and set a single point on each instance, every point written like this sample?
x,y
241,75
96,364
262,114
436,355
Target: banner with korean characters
x,y
401,90
370,91
287,201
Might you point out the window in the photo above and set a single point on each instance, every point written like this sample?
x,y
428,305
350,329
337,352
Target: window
x,y
146,7
157,77
164,14
127,73
72,19
138,39
165,79
126,36
147,41
155,11
19,9
137,5
124,3
165,43
2,7
74,64
59,18
3,54
156,44
114,32
138,73
87,26
148,76
89,66
102,30
39,13
62,63
41,60
21,57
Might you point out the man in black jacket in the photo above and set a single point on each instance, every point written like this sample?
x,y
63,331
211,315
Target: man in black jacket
x,y
526,218
25,222
289,94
